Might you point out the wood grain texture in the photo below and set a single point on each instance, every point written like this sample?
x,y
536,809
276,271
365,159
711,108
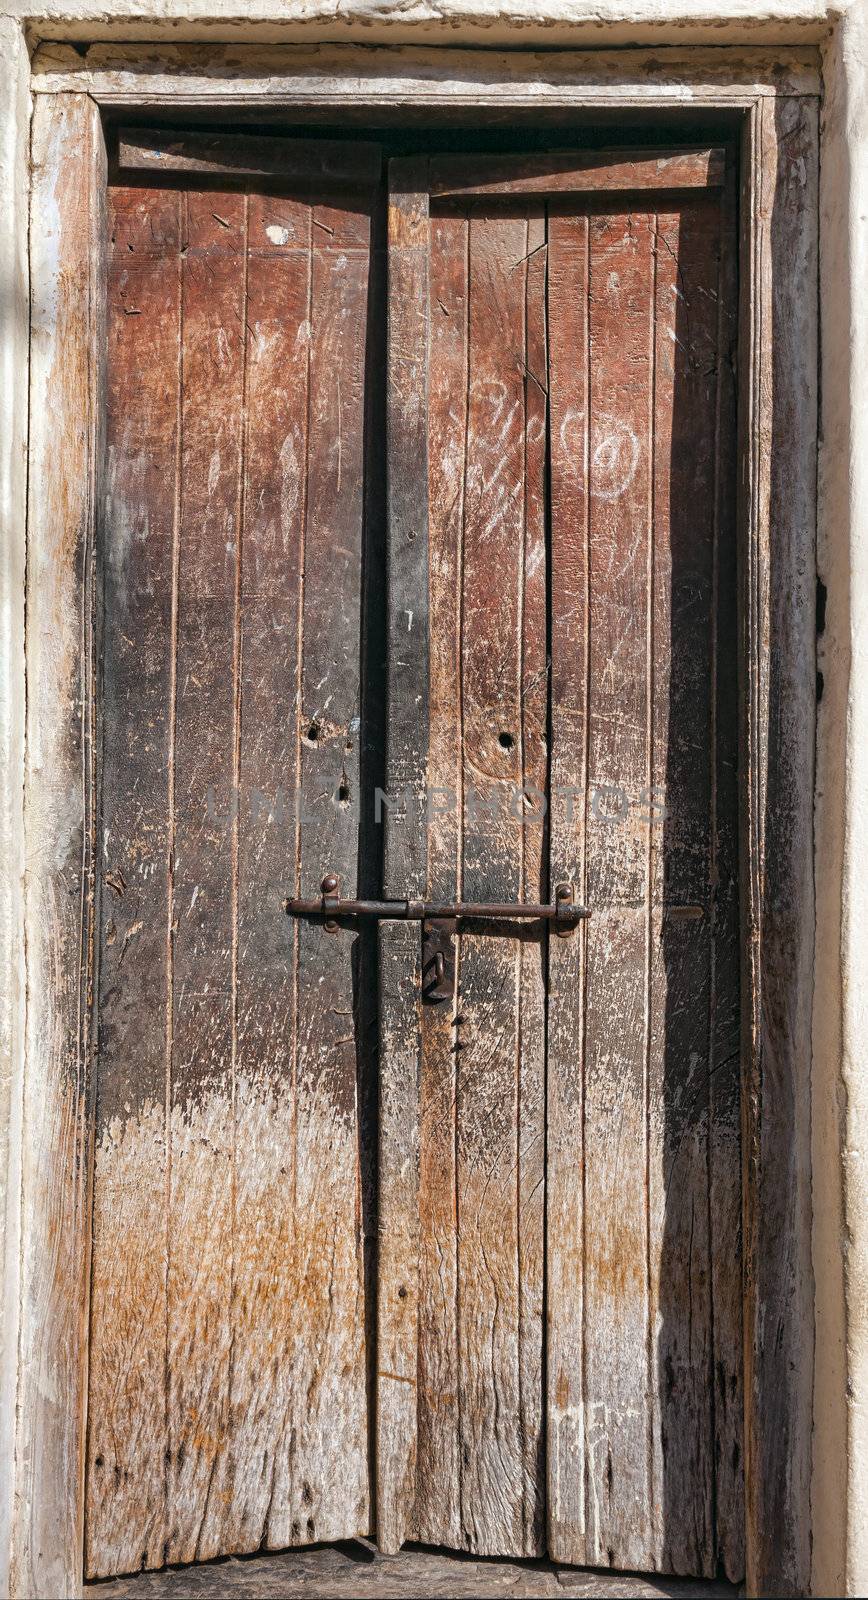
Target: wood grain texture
x,y
614,501
779,710
499,1124
438,1481
407,528
478,1223
405,864
312,162
569,434
621,289
359,1572
641,594
228,1383
335,75
67,408
572,172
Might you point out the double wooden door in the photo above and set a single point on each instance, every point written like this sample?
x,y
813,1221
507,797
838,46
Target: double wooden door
x,y
454,1258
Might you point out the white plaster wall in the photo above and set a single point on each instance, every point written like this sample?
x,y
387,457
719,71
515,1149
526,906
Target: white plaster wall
x,y
522,24
840,1083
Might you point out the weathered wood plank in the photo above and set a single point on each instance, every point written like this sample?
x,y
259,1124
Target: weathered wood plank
x,y
569,392
438,1477
499,1073
684,400
322,1489
251,1339
362,1573
129,1306
67,313
311,162
576,172
533,886
615,1108
778,598
405,847
726,1191
203,832
339,74
267,1310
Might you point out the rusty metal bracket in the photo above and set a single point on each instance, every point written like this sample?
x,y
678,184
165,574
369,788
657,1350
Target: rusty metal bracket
x,y
438,959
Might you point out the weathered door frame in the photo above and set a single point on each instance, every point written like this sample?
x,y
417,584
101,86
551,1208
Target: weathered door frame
x,y
773,97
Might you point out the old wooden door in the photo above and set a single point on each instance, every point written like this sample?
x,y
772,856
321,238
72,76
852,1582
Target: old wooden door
x,y
545,1354
560,1282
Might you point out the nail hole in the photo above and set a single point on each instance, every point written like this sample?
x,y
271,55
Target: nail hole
x,y
505,740
313,733
344,794
402,1293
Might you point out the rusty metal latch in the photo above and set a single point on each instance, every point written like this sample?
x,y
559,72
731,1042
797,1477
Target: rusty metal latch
x,y
439,922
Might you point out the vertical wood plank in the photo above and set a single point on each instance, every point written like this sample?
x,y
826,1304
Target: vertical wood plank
x,y
498,1068
726,1193
779,591
200,1048
681,780
569,397
321,1488
405,848
534,885
265,1305
617,1350
438,1491
129,1306
67,346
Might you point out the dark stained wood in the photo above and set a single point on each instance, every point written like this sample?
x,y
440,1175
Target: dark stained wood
x,y
311,162
139,558
778,595
359,1572
576,172
726,1188
228,1404
681,774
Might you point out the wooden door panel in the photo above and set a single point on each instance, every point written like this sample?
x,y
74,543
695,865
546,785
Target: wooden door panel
x,y
642,519
575,1119
499,1071
227,1404
558,1331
